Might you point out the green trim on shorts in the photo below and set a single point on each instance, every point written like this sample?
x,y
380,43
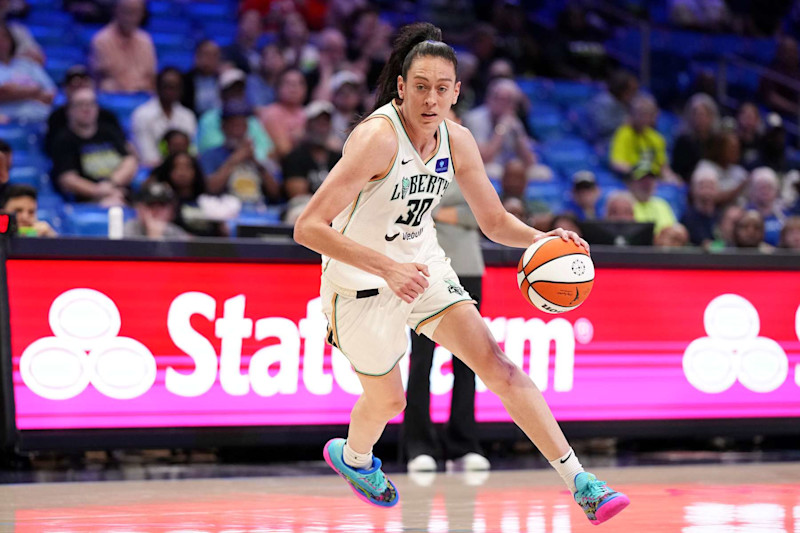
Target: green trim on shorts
x,y
335,328
376,375
445,308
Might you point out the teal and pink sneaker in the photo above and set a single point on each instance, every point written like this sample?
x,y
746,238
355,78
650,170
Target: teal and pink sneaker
x,y
597,500
371,485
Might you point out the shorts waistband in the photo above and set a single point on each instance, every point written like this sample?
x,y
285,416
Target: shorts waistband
x,y
352,293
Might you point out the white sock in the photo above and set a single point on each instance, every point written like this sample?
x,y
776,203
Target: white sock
x,y
355,459
568,467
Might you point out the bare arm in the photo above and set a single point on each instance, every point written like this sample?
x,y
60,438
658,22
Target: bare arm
x,y
219,178
495,222
369,153
272,188
74,183
11,92
277,132
125,171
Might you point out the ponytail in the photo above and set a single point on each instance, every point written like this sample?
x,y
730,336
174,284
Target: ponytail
x,y
413,40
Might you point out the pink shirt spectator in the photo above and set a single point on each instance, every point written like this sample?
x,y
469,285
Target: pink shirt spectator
x,y
123,63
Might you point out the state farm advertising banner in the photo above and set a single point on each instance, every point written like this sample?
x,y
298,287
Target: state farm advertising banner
x,y
133,344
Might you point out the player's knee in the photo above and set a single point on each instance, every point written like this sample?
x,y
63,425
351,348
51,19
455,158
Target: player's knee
x,y
393,406
501,374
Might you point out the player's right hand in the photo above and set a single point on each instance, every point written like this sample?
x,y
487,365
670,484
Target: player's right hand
x,y
407,280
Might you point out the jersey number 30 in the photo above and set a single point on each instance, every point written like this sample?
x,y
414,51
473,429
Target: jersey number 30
x,y
416,209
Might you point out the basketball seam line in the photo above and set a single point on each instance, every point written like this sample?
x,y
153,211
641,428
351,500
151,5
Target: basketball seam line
x,y
562,282
549,260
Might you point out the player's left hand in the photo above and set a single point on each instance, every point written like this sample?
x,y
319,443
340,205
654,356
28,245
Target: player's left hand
x,y
567,236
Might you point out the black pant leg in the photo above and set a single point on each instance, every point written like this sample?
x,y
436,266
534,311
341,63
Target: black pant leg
x,y
418,433
461,431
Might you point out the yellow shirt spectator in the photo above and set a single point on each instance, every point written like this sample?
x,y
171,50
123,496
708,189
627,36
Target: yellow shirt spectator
x,y
655,210
629,148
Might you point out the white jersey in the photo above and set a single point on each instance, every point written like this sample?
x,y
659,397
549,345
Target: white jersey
x,y
392,213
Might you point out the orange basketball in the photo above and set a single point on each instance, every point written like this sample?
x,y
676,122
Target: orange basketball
x,y
555,275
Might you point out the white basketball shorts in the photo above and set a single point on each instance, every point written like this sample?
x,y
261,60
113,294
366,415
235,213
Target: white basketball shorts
x,y
368,327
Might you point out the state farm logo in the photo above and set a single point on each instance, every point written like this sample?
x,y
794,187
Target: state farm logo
x,y
734,351
86,349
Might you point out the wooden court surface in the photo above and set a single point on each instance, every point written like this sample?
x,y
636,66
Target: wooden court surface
x,y
749,498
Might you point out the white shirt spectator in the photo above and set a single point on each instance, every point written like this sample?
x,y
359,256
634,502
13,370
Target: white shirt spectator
x,y
150,123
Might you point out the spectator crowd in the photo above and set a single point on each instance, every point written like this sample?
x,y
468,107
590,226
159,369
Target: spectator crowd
x,y
251,126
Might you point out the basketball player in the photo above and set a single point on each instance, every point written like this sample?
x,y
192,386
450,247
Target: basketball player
x,y
383,268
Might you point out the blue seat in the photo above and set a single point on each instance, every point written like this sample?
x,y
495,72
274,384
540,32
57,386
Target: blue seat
x,y
164,8
210,10
122,104
89,220
25,176
44,4
675,195
667,125
546,121
568,154
172,40
536,89
87,224
48,17
169,25
551,192
220,31
570,93
51,201
51,35
52,216
31,158
18,137
497,183
65,52
606,179
57,67
85,33
181,59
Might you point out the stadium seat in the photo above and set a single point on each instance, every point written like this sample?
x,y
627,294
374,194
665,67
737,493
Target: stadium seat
x,y
209,11
570,93
220,31
181,59
19,137
51,201
536,89
53,18
122,104
164,8
568,154
57,68
51,35
546,121
63,51
550,192
44,4
497,183
165,40
85,33
607,179
89,220
675,195
88,225
169,25
31,158
25,176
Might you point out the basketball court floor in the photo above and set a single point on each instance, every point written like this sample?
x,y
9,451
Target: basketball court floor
x,y
733,498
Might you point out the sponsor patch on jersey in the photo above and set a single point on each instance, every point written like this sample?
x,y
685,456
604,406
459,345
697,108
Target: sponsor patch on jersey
x,y
442,164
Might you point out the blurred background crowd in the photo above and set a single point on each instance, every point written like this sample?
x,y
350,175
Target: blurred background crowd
x,y
199,118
